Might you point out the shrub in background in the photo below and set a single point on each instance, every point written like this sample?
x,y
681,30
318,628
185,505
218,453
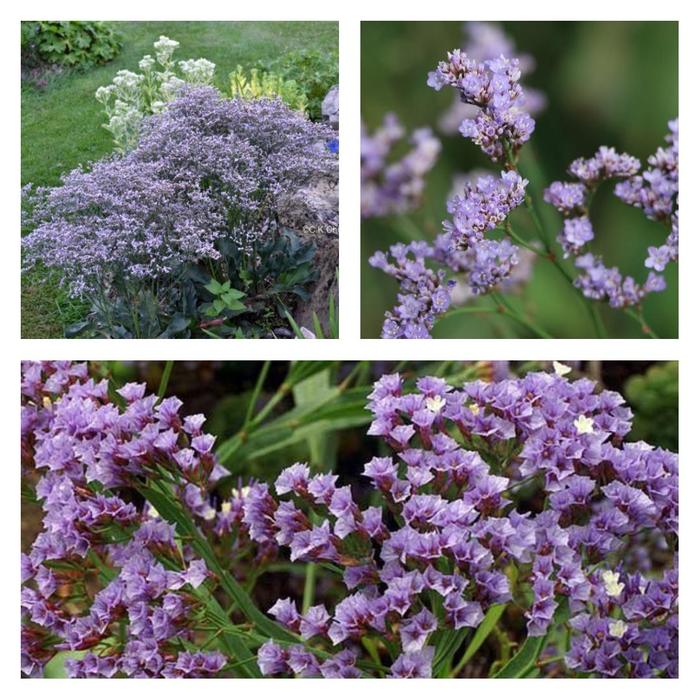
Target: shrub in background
x,y
202,186
253,84
68,44
313,71
654,397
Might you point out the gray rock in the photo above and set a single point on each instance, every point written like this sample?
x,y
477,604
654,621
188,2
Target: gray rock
x,y
330,107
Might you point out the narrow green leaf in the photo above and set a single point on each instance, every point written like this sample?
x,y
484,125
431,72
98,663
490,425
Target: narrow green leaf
x,y
492,616
524,660
168,507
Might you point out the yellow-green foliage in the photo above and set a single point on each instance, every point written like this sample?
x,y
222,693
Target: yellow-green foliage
x,y
254,84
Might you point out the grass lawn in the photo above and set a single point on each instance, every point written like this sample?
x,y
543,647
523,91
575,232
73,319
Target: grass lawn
x,y
61,125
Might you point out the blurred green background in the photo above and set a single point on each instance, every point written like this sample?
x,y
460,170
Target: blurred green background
x,y
606,83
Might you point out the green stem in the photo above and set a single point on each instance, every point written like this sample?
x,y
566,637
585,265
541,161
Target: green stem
x,y
256,391
508,310
309,587
591,309
639,317
165,378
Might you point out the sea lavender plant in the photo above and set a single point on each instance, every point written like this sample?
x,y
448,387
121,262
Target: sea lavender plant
x,y
424,293
496,117
486,41
87,449
517,494
502,124
207,172
450,540
462,249
394,188
655,192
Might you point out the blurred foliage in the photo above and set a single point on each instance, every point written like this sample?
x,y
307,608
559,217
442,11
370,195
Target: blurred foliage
x,y
313,70
68,44
607,83
654,400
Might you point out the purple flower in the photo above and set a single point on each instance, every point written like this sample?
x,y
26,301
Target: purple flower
x,y
423,292
272,659
394,188
493,86
414,665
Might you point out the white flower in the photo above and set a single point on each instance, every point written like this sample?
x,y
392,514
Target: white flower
x,y
209,514
226,507
147,62
104,93
560,368
583,425
198,71
164,43
170,87
435,403
164,49
611,580
617,628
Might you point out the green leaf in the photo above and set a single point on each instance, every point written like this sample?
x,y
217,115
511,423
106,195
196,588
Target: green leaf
x,y
75,329
523,662
214,287
490,620
169,508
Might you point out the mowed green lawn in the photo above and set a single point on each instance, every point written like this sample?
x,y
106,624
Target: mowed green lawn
x,y
61,124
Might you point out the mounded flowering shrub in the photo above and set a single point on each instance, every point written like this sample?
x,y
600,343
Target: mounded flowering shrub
x,y
201,189
494,111
517,499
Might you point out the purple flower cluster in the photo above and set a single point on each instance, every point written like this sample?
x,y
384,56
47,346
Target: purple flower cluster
x,y
483,206
394,188
485,265
616,634
487,41
655,192
82,450
502,124
206,169
454,533
423,292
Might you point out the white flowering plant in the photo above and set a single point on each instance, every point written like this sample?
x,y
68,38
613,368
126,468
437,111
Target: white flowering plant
x,y
132,96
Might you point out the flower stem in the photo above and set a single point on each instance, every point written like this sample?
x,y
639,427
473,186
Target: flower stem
x,y
592,310
504,307
309,587
164,379
638,316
